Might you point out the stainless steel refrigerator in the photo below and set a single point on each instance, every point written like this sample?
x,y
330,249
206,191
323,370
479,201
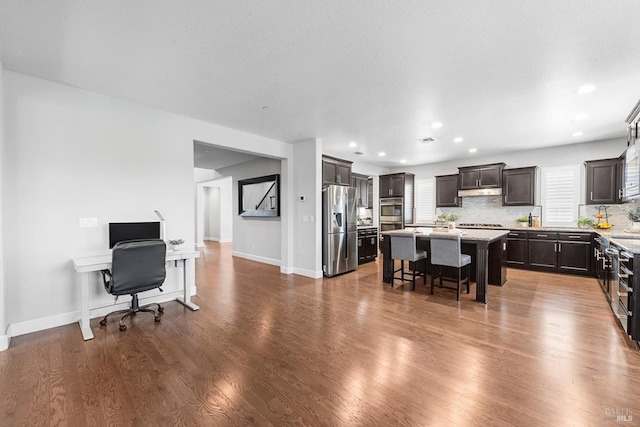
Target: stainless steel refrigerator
x,y
339,230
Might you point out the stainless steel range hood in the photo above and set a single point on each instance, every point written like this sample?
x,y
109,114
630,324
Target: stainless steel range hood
x,y
480,192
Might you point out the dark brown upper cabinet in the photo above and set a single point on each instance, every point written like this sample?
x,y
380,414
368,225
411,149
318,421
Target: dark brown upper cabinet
x,y
519,186
396,185
361,184
482,176
447,191
336,171
604,181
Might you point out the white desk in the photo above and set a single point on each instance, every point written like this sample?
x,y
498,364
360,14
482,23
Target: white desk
x,y
86,265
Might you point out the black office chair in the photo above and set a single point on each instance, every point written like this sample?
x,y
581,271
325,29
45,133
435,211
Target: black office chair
x,y
136,266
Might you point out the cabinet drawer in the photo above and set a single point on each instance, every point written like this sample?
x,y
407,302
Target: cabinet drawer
x,y
575,237
518,234
543,235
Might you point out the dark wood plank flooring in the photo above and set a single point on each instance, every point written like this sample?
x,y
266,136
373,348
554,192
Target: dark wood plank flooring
x,y
271,349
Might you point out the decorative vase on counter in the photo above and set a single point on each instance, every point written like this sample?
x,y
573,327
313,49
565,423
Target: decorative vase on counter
x,y
635,226
451,225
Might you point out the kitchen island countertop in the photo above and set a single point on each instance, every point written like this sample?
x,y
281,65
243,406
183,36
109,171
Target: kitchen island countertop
x,y
467,234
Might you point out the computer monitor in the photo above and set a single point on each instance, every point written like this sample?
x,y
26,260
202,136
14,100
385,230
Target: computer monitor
x,y
119,231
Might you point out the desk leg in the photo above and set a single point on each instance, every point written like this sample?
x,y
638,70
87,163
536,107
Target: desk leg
x,y
187,267
482,271
85,328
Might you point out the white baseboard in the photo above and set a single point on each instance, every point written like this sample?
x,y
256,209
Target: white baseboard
x,y
200,245
257,258
48,322
286,270
5,340
307,273
216,239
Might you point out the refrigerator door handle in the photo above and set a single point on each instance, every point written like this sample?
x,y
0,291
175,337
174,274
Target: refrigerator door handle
x,y
346,234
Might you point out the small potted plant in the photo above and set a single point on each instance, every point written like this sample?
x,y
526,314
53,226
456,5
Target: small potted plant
x,y
451,219
633,213
176,244
523,222
584,222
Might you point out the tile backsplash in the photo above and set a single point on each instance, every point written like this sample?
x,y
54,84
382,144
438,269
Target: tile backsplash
x,y
489,209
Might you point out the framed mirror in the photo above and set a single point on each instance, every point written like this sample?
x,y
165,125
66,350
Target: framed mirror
x,y
259,196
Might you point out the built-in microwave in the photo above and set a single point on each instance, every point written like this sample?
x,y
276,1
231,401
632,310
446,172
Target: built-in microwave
x,y
391,209
631,176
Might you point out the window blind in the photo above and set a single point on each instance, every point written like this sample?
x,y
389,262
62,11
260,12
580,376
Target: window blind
x,y
560,194
425,193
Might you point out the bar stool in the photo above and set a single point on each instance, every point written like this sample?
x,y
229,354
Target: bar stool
x,y
403,248
445,251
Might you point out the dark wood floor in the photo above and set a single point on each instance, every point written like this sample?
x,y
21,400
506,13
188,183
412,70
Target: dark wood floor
x,y
269,349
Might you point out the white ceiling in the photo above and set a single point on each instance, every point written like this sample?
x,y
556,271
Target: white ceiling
x,y
502,74
209,156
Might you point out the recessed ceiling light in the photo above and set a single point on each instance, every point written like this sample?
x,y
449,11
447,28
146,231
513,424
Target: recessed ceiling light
x,y
473,150
458,139
582,116
353,144
586,89
403,161
436,125
382,154
577,133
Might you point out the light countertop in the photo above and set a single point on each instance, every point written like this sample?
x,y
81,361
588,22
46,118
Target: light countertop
x,y
466,235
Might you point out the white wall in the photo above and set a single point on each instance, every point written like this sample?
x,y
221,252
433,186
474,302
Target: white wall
x,y
4,318
257,238
75,154
308,213
212,231
220,211
552,156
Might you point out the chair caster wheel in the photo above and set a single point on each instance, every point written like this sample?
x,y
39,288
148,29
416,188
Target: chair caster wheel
x,y
123,327
161,309
157,318
103,322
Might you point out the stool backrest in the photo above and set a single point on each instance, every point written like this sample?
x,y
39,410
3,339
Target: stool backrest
x,y
404,247
445,249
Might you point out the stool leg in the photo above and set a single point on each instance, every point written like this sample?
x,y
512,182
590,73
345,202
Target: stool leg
x,y
468,276
433,278
458,288
392,264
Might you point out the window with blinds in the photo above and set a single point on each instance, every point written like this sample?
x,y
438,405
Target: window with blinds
x,y
560,194
425,194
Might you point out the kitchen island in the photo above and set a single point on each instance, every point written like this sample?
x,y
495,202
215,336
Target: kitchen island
x,y
486,247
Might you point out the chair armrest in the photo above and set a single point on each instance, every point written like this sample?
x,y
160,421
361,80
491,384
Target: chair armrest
x,y
106,273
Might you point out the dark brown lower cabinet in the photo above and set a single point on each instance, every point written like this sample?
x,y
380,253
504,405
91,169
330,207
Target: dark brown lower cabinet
x,y
550,251
543,255
367,245
517,249
575,256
